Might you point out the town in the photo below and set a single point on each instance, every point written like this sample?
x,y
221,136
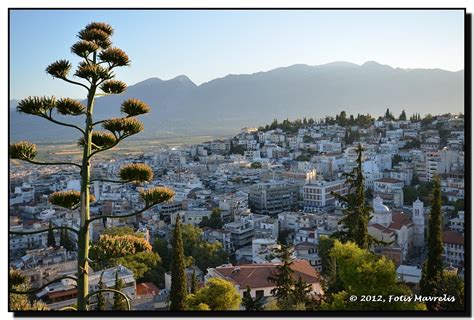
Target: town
x,y
239,200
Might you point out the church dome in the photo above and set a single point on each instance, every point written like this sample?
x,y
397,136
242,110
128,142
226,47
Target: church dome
x,y
381,208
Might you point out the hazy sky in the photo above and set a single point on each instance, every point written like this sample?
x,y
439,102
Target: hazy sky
x,y
206,44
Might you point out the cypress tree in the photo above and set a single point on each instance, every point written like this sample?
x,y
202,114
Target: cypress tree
x,y
51,241
357,212
100,296
194,282
67,242
403,116
62,238
178,271
119,301
432,274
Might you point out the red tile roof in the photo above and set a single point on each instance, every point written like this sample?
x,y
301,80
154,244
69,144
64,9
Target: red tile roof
x,y
256,275
147,288
399,220
453,237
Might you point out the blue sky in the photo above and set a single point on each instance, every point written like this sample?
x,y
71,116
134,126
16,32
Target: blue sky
x,y
205,44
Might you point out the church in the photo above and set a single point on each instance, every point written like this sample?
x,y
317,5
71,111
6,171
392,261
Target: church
x,y
401,231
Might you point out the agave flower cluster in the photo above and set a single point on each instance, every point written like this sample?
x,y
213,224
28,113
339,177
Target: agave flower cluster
x,y
23,150
156,195
136,172
69,199
100,140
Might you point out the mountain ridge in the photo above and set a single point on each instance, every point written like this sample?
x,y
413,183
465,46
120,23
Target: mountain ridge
x,y
224,105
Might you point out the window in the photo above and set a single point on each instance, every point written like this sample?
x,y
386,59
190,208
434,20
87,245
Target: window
x,y
259,294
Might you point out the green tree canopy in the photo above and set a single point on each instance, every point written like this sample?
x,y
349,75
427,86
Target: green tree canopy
x,y
214,221
218,294
362,273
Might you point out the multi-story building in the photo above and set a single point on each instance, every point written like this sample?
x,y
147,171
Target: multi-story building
x,y
318,196
390,190
28,241
457,224
273,197
453,243
241,234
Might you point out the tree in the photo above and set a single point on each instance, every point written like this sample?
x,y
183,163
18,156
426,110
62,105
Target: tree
x,y
251,304
64,240
289,294
432,273
51,240
388,115
161,246
121,231
357,212
403,116
325,245
194,283
119,301
95,73
362,273
139,263
452,285
283,279
204,254
214,221
20,302
301,291
217,295
256,165
178,271
109,247
396,160
100,295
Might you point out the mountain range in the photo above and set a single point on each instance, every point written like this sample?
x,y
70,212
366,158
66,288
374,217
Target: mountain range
x,y
224,105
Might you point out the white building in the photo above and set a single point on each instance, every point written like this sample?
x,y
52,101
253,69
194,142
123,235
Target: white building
x,y
453,243
419,223
318,195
